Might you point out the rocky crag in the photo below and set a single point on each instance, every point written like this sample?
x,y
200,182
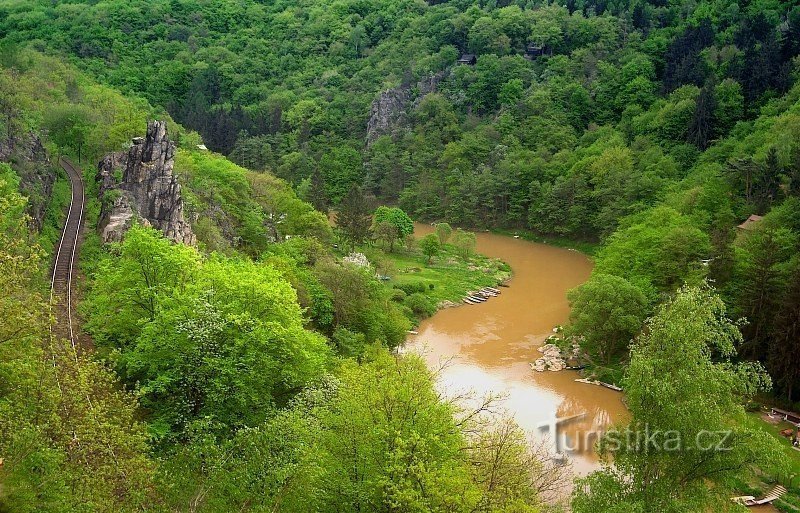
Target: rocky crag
x,y
389,109
139,185
31,163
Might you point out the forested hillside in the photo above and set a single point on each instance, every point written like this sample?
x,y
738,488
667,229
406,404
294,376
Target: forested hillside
x,y
218,377
255,371
664,123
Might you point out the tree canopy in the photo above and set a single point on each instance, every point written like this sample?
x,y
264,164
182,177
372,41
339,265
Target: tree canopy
x,y
255,372
218,340
684,392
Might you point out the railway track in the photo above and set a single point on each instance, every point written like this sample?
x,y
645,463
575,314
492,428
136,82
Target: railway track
x,y
66,362
67,254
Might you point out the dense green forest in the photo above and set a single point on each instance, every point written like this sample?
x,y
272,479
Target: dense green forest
x,y
256,372
230,375
642,124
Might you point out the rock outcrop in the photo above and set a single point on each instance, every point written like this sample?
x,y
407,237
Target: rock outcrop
x,y
32,164
389,109
553,358
139,185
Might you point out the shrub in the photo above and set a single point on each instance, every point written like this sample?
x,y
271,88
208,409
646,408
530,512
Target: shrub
x,y
443,232
420,304
411,288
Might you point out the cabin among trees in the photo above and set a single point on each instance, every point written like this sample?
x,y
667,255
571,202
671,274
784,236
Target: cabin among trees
x,y
468,59
750,223
534,50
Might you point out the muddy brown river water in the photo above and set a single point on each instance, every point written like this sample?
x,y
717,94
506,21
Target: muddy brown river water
x,y
488,347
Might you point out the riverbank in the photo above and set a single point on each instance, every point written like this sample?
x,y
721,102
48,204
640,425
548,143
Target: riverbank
x,y
759,485
448,277
425,286
588,248
488,349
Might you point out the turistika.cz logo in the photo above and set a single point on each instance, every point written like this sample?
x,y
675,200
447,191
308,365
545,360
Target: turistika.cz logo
x,y
640,439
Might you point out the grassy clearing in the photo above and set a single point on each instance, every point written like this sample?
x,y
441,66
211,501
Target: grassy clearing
x,y
447,278
450,275
792,456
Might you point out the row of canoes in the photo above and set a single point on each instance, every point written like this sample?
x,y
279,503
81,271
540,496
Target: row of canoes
x,y
774,494
480,296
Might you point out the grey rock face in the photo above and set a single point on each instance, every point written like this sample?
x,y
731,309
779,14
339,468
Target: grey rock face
x,y
389,109
37,174
140,185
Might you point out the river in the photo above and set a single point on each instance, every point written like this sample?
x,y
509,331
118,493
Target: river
x,y
487,348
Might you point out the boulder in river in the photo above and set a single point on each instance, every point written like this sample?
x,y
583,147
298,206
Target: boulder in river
x,y
551,359
554,364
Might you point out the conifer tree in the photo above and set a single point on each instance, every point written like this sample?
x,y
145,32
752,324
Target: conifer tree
x,y
702,125
354,217
317,194
784,357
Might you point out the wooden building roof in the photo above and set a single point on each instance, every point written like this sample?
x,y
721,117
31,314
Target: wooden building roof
x,y
468,58
750,222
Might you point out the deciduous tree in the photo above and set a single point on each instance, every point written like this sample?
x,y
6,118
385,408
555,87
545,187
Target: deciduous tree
x,y
465,242
395,217
607,311
687,396
69,126
430,246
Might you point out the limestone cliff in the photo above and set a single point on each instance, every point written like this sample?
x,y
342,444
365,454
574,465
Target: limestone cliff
x,y
389,109
139,185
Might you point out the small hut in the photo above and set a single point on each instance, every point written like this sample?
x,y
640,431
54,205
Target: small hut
x,y
750,223
533,50
468,59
